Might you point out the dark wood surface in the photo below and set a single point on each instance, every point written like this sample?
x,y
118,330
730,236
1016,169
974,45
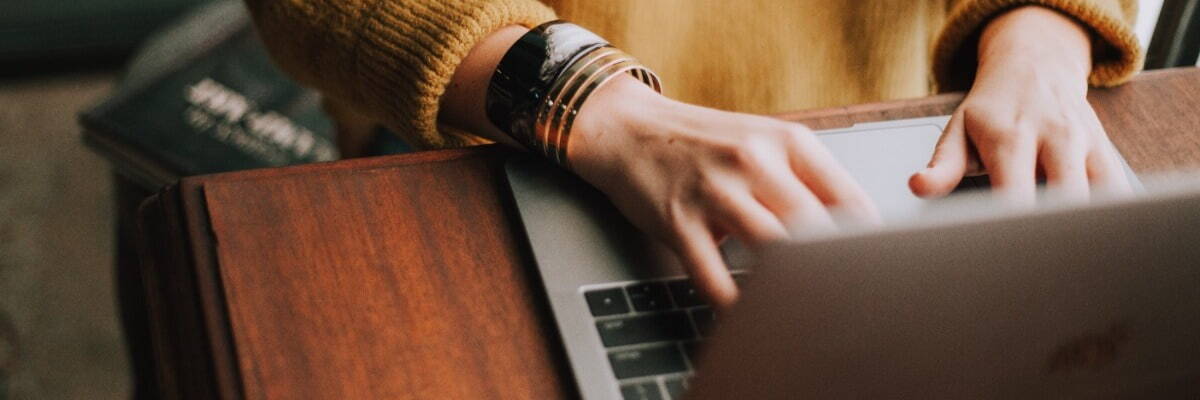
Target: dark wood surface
x,y
408,276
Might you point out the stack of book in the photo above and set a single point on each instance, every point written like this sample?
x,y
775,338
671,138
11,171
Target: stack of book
x,y
204,97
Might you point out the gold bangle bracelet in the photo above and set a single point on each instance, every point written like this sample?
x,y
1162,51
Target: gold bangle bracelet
x,y
585,66
556,115
559,123
551,124
568,113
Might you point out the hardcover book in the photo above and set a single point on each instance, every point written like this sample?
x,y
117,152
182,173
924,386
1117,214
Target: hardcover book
x,y
204,97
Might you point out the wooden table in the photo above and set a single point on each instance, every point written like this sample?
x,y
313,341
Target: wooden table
x,y
409,276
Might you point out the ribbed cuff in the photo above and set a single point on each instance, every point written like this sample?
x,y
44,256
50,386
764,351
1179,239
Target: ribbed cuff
x,y
408,52
1116,54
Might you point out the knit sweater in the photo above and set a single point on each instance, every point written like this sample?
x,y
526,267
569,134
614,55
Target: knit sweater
x,y
389,61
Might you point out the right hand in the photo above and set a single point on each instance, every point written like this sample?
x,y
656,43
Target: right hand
x,y
689,176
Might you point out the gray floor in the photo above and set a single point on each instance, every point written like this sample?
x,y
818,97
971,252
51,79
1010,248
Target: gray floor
x,y
56,247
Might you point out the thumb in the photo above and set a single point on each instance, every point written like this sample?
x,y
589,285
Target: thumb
x,y
948,164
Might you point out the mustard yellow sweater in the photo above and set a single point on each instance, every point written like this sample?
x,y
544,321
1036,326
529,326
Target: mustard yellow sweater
x,y
389,61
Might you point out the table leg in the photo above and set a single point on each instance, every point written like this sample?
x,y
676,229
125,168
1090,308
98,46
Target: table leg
x,y
131,294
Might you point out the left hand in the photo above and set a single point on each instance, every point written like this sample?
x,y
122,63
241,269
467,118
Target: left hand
x,y
1027,115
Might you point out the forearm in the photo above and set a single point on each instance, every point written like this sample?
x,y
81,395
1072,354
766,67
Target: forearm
x,y
1108,25
389,60
1037,37
463,104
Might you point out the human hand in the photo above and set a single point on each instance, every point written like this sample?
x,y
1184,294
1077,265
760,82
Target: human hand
x,y
689,176
1027,115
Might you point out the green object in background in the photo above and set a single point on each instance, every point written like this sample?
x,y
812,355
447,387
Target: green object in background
x,y
52,30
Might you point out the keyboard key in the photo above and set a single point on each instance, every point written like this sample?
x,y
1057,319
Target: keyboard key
x,y
675,387
684,293
645,362
606,302
649,296
641,391
671,326
705,318
692,349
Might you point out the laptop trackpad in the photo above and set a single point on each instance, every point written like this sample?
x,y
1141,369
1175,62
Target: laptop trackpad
x,y
882,159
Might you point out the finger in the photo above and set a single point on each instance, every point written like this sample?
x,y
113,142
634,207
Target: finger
x,y
1065,167
826,179
745,217
698,252
1011,163
793,203
1105,168
948,164
974,167
1106,171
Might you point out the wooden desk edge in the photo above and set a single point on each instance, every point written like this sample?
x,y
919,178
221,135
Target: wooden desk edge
x,y
185,292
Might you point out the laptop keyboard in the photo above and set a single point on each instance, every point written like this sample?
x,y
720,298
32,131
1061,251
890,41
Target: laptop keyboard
x,y
651,332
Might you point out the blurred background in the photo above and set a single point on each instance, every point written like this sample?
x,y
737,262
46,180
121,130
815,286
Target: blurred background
x,y
60,335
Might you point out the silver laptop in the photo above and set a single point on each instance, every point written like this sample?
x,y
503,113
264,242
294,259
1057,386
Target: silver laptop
x,y
1061,302
632,324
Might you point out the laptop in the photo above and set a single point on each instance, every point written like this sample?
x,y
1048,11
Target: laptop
x,y
631,322
1060,302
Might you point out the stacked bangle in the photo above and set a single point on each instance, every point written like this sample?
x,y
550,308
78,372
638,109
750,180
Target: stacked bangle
x,y
545,78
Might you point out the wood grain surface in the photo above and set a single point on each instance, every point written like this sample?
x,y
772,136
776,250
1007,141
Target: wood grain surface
x,y
409,277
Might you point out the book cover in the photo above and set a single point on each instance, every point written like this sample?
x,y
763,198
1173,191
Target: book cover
x,y
204,97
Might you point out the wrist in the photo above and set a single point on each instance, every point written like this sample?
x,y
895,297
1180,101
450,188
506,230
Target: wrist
x,y
621,108
1036,38
463,104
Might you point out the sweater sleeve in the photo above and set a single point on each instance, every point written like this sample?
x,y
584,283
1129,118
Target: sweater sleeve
x,y
390,60
1116,54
